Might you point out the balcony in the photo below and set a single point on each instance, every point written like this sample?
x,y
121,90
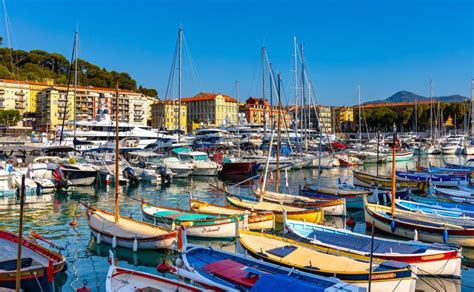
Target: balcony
x,y
19,106
2,98
20,99
20,93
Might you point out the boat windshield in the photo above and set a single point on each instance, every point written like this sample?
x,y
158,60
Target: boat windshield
x,y
200,157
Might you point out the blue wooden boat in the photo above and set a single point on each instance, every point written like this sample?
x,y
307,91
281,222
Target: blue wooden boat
x,y
460,196
430,259
432,209
435,202
438,179
469,165
239,272
352,194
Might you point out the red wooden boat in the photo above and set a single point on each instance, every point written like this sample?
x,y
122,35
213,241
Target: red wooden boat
x,y
38,264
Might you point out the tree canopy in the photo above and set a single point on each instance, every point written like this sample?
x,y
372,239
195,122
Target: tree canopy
x,y
383,118
37,65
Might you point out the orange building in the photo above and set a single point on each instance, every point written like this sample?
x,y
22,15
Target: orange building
x,y
257,110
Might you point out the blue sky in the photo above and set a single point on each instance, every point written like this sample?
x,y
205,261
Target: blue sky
x,y
383,45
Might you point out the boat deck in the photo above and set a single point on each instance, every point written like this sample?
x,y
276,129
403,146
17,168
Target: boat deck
x,y
9,250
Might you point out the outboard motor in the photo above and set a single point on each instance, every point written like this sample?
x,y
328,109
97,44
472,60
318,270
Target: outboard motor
x,y
130,174
60,180
165,175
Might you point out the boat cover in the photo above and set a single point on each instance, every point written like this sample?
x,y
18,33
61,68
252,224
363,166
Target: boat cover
x,y
360,243
272,283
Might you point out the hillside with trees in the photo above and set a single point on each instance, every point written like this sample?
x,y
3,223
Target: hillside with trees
x,y
37,65
383,118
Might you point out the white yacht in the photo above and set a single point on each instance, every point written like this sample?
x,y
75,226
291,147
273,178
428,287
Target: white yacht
x,y
91,134
202,164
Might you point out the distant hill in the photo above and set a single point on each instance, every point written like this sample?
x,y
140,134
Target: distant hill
x,y
407,96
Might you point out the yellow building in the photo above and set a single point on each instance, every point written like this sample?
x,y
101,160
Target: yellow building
x,y
164,115
212,109
51,107
344,117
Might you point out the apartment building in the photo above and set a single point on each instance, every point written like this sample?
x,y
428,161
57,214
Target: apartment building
x,y
165,115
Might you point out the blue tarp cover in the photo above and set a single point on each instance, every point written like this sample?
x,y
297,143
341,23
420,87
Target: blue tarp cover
x,y
272,283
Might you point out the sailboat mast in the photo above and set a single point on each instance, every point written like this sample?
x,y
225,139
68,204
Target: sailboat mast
x,y
360,117
271,96
416,117
431,113
263,96
295,64
277,185
394,190
20,234
303,97
116,178
76,38
180,44
471,112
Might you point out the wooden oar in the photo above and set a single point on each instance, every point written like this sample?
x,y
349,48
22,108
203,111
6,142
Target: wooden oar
x,y
37,236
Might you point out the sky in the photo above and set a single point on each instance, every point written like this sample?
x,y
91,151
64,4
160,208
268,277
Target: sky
x,y
382,45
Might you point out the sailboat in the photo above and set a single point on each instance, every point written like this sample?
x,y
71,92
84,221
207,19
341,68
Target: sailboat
x,y
124,231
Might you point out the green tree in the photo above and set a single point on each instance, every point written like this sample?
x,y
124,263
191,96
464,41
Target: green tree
x,y
10,117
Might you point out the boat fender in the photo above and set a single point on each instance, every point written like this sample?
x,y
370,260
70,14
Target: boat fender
x,y
135,245
164,267
114,242
350,221
84,288
179,262
98,237
415,236
445,236
246,220
393,226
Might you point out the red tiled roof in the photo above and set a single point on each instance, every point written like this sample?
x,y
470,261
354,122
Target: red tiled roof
x,y
44,83
207,96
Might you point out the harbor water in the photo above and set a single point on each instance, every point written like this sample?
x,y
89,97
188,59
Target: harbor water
x,y
50,216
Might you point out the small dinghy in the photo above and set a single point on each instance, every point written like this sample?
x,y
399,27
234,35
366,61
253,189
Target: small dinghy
x,y
430,259
38,264
387,275
239,272
296,213
198,224
256,220
127,232
124,280
332,207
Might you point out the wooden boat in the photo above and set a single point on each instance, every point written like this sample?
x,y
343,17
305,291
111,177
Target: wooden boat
x,y
468,165
460,196
434,209
400,156
256,220
430,259
38,264
350,268
295,213
332,207
128,232
353,198
240,272
425,227
436,202
122,231
123,280
369,180
198,224
438,179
